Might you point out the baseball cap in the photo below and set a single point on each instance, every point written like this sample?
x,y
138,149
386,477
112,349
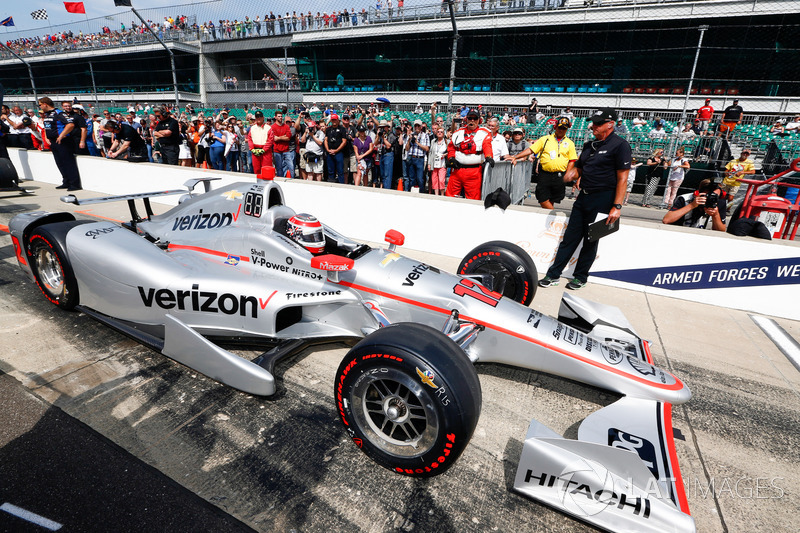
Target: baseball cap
x,y
334,116
259,114
473,113
708,100
383,124
78,107
345,117
418,122
361,128
518,130
603,115
563,122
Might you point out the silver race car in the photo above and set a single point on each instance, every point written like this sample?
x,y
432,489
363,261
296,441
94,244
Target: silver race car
x,y
236,264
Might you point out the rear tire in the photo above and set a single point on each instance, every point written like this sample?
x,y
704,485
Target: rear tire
x,y
51,269
511,268
409,398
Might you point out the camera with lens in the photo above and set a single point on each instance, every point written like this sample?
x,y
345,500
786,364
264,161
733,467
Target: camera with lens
x,y
712,199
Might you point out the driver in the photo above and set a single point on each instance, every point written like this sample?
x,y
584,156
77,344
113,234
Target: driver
x,y
306,230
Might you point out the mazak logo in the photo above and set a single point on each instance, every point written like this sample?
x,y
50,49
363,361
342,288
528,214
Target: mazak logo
x,y
205,220
326,265
427,378
202,301
95,233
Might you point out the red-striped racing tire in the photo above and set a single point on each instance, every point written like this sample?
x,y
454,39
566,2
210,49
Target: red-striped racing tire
x,y
409,398
512,270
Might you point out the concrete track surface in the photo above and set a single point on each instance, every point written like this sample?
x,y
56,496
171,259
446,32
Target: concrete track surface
x,y
285,464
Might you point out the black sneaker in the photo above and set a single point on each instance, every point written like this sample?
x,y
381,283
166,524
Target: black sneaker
x,y
548,282
62,186
576,284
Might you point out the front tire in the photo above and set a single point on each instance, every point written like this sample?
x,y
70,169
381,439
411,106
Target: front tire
x,y
511,268
52,270
409,398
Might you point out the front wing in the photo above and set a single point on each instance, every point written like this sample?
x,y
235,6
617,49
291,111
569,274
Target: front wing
x,y
621,474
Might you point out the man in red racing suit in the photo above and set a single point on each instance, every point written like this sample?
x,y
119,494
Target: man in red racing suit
x,y
468,148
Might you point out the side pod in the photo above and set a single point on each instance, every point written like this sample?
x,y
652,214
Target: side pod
x,y
621,474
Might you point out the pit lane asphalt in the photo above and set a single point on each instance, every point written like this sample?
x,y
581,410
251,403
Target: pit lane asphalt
x,y
284,463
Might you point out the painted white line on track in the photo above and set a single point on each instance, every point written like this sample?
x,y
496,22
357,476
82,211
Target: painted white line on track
x,y
785,342
28,516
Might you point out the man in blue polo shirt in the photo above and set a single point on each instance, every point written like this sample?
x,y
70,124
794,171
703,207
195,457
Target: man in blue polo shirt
x,y
601,173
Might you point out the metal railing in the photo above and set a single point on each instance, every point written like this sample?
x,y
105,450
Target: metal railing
x,y
97,41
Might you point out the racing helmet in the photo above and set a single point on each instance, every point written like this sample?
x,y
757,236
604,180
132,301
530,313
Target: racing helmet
x,y
307,231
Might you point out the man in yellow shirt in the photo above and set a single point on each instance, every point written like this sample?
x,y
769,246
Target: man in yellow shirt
x,y
735,170
556,154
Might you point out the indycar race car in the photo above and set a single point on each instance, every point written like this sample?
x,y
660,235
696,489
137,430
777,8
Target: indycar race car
x,y
236,264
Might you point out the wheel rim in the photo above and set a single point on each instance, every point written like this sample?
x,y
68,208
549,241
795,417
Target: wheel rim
x,y
50,272
503,281
395,413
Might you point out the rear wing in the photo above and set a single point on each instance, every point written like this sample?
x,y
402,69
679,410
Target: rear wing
x,y
145,196
190,185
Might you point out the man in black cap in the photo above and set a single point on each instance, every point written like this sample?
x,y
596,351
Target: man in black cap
x,y
731,116
167,134
601,173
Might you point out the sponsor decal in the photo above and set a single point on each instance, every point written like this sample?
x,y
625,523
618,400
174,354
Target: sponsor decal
x,y
641,367
359,442
205,220
534,318
520,269
611,355
415,273
290,295
328,266
582,498
95,233
232,195
446,450
257,188
202,301
259,258
784,271
557,331
389,258
427,378
643,448
232,260
573,336
287,240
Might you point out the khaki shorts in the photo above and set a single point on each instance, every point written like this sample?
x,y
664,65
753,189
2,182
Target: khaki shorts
x,y
314,168
351,165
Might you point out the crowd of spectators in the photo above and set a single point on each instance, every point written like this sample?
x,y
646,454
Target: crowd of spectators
x,y
180,27
67,40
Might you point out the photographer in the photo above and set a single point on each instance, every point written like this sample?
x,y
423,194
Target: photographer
x,y
417,144
696,209
386,143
